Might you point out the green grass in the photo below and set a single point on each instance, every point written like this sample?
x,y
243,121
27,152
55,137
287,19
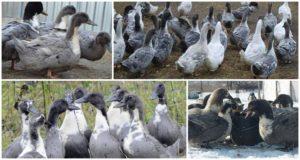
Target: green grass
x,y
11,121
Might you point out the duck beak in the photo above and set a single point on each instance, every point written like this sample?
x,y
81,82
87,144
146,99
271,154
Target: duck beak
x,y
154,95
90,22
249,114
81,100
73,107
33,110
44,13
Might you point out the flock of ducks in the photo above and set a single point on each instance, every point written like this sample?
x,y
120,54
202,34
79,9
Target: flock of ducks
x,y
50,48
203,43
221,119
119,132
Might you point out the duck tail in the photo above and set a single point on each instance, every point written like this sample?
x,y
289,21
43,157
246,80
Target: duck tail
x,y
19,45
173,150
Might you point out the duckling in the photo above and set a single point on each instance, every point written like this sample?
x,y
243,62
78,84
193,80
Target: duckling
x,y
241,33
118,119
266,63
74,128
184,8
269,21
93,47
194,57
227,16
142,57
215,56
284,101
287,47
18,145
210,127
161,125
147,7
245,9
193,35
138,143
53,53
136,39
255,48
35,147
285,11
53,143
279,30
28,29
281,129
60,25
102,144
163,41
119,43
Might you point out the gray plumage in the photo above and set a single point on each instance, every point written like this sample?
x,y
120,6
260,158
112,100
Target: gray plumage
x,y
266,63
52,52
227,16
249,8
163,41
14,149
287,47
53,144
119,43
180,26
136,39
270,20
193,35
241,33
142,57
93,46
76,146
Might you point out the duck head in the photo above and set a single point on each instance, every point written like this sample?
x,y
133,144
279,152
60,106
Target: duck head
x,y
36,121
259,107
96,99
228,106
58,107
26,107
61,20
216,99
159,91
118,95
103,39
82,18
32,9
228,7
79,92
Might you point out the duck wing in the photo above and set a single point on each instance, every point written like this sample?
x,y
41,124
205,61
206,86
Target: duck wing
x,y
207,127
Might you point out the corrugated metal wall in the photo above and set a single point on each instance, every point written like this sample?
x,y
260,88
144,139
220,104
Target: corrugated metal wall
x,y
99,12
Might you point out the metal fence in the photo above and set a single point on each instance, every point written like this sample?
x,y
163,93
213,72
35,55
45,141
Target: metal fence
x,y
99,12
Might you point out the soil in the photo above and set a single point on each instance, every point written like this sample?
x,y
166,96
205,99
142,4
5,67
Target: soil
x,y
232,67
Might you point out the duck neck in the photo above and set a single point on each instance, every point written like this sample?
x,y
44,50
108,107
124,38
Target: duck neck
x,y
61,23
203,36
163,25
257,34
270,8
34,21
52,119
35,142
228,8
287,32
119,29
101,124
25,124
265,125
196,26
216,37
73,36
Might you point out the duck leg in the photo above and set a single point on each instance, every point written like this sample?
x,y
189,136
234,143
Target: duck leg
x,y
50,74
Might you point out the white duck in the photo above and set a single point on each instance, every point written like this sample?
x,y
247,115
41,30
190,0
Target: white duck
x,y
255,47
196,54
285,11
216,50
184,8
279,31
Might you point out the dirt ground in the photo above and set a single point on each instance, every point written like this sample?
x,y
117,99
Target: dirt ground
x,y
231,67
85,69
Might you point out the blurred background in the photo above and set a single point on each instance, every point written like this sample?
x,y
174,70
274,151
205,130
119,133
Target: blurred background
x,y
45,92
99,12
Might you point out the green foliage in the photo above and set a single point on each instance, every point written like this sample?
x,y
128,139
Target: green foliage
x,y
44,93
